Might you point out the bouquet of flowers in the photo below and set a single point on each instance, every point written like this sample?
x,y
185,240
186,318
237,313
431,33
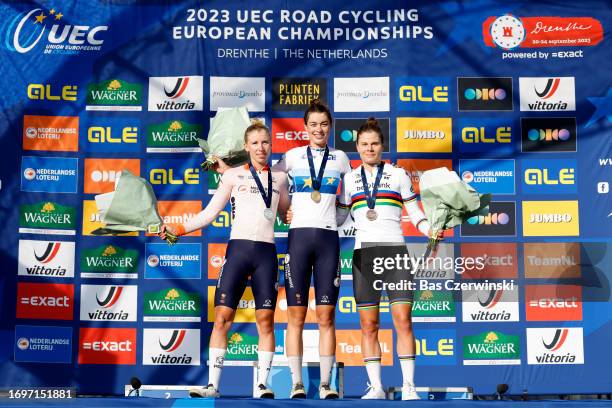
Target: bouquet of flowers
x,y
226,138
131,207
448,202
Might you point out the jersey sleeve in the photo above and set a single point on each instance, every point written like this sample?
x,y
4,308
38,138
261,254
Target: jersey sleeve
x,y
417,218
283,200
345,167
283,164
215,205
344,200
406,190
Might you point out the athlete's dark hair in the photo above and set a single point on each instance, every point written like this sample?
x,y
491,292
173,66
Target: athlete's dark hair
x,y
317,106
256,125
370,125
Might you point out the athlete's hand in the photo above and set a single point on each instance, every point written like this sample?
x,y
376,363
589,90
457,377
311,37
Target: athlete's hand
x,y
288,216
439,237
220,166
162,234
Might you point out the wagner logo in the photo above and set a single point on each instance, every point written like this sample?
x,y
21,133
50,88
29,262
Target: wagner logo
x,y
232,92
295,94
369,94
109,261
500,260
424,135
553,302
46,92
51,133
172,305
46,259
47,217
490,305
27,29
433,306
555,345
109,303
100,174
548,135
549,176
499,221
107,346
552,260
174,176
49,174
171,347
176,93
547,94
345,132
288,133
114,95
550,218
508,32
45,301
484,94
491,348
423,93
174,136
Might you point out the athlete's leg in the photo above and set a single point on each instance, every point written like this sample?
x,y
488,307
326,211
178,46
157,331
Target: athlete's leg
x,y
402,321
369,320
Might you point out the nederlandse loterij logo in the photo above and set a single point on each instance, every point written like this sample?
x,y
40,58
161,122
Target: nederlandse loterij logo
x,y
49,27
114,95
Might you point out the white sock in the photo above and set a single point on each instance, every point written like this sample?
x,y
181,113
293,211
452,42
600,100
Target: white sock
x,y
373,368
264,363
216,357
407,364
326,365
295,365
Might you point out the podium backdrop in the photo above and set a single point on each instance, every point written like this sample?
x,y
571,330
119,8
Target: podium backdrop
x,y
514,96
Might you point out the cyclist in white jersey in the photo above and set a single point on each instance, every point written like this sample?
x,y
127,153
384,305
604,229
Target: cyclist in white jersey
x,y
375,194
255,193
314,246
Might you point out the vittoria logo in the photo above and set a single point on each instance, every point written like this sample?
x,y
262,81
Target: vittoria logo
x,y
46,259
547,94
108,303
555,345
171,347
176,93
496,305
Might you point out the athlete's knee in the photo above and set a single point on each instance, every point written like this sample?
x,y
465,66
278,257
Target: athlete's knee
x,y
403,324
325,319
296,317
369,328
265,327
222,323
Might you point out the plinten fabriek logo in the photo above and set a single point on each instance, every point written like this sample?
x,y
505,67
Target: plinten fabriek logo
x,y
171,347
47,217
555,345
46,259
183,93
484,94
114,95
174,136
433,306
423,93
295,94
547,94
549,176
109,303
180,261
491,348
492,176
109,261
49,174
49,28
43,344
172,305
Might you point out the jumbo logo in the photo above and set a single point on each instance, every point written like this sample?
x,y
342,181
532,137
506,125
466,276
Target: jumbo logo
x,y
551,218
27,29
42,92
424,135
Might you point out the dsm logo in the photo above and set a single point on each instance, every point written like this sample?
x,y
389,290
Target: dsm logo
x,y
423,94
174,176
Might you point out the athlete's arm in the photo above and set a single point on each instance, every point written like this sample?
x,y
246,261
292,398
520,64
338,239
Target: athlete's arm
x,y
215,205
283,199
282,165
343,205
417,218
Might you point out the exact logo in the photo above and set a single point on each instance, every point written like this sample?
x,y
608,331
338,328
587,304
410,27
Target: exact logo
x,y
45,301
44,92
547,94
430,135
288,133
27,29
500,260
484,94
553,302
51,133
423,94
107,346
176,93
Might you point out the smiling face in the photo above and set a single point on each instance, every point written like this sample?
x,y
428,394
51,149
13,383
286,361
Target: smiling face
x,y
370,147
258,144
318,126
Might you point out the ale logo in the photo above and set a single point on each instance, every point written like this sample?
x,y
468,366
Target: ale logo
x,y
28,29
423,93
47,218
114,95
491,348
109,261
241,346
172,305
555,345
45,92
435,347
171,347
174,136
174,176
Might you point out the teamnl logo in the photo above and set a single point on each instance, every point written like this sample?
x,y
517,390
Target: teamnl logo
x,y
49,27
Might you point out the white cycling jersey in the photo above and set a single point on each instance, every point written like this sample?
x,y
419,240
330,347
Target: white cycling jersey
x,y
306,212
394,192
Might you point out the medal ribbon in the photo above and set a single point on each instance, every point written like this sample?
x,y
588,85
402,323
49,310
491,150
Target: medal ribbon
x,y
371,198
266,197
316,181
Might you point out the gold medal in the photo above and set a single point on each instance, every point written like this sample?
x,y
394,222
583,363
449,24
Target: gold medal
x,y
315,195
